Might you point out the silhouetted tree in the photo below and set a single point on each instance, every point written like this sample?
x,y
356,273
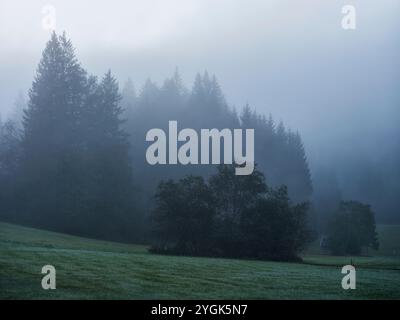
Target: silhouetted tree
x,y
109,186
274,229
352,228
77,174
52,136
184,216
234,194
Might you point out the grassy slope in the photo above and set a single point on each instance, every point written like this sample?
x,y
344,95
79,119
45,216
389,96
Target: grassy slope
x,y
104,270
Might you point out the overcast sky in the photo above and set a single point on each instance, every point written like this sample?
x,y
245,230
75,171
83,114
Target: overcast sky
x,y
290,58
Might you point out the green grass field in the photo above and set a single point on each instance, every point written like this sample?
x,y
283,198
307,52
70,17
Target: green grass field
x,y
91,269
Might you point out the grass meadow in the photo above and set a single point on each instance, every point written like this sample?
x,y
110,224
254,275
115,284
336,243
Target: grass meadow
x,y
92,269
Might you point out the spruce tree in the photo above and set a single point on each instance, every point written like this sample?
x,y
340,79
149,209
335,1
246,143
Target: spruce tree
x,y
109,189
77,174
52,134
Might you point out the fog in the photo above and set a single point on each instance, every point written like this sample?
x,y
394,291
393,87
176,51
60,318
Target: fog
x,y
292,59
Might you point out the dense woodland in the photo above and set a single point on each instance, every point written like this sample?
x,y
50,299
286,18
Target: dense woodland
x,y
73,160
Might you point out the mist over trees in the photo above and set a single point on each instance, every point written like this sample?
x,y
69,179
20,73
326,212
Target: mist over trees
x,y
72,159
75,161
279,151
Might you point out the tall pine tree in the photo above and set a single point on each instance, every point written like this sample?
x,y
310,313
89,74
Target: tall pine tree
x,y
75,165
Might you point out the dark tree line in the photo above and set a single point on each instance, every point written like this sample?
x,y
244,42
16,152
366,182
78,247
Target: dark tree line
x,y
278,151
75,162
230,216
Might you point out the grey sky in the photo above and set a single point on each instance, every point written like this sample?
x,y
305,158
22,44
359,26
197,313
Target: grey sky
x,y
290,58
